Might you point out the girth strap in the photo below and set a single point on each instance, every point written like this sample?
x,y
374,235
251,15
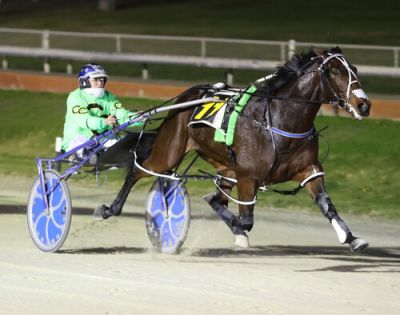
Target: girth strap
x,y
292,134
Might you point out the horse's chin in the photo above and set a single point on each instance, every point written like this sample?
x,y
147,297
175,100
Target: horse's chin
x,y
354,113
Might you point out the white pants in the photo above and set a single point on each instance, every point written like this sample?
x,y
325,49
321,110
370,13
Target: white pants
x,y
79,140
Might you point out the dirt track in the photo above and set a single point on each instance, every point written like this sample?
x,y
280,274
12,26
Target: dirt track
x,y
295,266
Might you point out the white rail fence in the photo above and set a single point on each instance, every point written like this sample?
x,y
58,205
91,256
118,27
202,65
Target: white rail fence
x,y
227,54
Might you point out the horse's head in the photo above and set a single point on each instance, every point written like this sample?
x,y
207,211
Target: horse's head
x,y
341,83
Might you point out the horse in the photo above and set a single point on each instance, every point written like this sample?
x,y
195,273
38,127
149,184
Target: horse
x,y
274,141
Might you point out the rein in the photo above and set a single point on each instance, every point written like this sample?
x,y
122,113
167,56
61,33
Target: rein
x,y
340,101
300,100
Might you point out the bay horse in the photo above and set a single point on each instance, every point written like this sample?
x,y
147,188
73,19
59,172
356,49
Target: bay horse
x,y
274,141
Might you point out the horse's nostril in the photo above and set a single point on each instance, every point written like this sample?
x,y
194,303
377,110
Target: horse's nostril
x,y
363,108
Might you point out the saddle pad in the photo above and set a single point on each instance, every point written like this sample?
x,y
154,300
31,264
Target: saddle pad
x,y
215,114
211,114
240,101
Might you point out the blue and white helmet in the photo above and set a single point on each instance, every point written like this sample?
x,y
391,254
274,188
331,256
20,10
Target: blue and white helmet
x,y
90,71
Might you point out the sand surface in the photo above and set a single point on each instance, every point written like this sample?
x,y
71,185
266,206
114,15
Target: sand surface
x,y
296,265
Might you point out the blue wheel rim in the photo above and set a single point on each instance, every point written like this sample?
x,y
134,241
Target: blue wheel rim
x,y
168,215
49,228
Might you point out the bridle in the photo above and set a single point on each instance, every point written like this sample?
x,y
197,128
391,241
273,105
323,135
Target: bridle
x,y
342,102
322,70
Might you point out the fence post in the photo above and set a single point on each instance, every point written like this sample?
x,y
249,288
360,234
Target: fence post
x,y
118,43
203,47
69,68
145,72
229,77
45,39
4,63
283,53
396,57
292,48
46,66
46,45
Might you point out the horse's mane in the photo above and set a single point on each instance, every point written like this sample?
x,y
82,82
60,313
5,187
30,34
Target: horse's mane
x,y
293,68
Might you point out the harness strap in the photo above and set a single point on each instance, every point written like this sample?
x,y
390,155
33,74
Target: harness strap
x,y
232,180
292,134
311,177
284,133
245,203
263,189
293,192
172,177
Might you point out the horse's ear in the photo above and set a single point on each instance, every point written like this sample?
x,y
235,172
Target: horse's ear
x,y
318,51
337,50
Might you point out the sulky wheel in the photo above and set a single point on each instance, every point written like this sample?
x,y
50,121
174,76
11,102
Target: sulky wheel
x,y
167,215
49,226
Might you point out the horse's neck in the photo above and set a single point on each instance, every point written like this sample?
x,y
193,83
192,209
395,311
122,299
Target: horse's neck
x,y
296,111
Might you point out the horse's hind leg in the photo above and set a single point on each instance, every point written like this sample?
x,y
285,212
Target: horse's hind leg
x,y
155,165
104,212
167,152
317,191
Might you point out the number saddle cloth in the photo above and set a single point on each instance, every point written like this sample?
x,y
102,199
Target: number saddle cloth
x,y
223,115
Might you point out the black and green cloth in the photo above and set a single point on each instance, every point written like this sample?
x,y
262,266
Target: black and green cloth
x,y
228,135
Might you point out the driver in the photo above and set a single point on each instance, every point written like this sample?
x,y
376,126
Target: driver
x,y
91,110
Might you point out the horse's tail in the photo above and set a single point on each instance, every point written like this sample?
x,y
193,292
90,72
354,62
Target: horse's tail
x,y
145,145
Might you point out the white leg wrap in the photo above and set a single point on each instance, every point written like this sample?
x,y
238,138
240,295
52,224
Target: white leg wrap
x,y
342,235
242,241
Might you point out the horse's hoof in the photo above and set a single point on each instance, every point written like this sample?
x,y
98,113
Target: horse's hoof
x,y
99,212
358,245
242,240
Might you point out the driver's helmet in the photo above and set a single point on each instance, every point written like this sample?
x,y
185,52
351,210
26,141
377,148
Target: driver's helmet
x,y
90,71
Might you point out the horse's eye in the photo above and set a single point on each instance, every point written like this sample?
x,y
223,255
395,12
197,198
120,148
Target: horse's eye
x,y
335,71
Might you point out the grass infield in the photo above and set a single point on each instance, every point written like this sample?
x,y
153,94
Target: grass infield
x,y
362,173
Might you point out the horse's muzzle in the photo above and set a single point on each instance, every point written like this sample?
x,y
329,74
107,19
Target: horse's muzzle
x,y
363,107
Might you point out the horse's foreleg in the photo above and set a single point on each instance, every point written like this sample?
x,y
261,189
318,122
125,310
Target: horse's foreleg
x,y
247,191
317,192
219,203
238,224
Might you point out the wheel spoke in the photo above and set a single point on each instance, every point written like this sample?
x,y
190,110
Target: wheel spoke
x,y
49,229
167,219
